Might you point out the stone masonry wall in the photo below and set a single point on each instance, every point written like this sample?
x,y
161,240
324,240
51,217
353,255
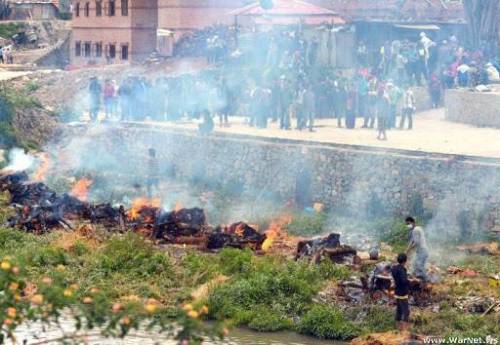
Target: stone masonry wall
x,y
474,108
339,176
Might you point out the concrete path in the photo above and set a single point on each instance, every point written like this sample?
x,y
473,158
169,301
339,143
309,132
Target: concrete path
x,y
431,133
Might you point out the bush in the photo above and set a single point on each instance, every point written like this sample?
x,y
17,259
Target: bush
x,y
234,261
264,319
9,29
13,239
327,323
393,232
330,270
199,268
287,287
131,254
307,224
378,319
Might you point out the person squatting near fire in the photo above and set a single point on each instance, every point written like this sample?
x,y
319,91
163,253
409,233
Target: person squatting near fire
x,y
418,244
401,292
378,277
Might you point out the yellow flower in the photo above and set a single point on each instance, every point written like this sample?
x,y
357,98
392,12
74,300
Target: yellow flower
x,y
88,300
47,280
13,286
94,290
5,265
60,268
74,286
37,299
187,307
150,308
193,313
11,312
17,297
68,293
204,309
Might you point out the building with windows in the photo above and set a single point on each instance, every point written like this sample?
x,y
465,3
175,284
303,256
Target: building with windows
x,y
121,31
112,31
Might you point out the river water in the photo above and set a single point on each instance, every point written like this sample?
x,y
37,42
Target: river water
x,y
34,334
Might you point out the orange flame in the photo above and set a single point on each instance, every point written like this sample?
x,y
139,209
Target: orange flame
x,y
140,203
44,166
276,231
178,206
81,189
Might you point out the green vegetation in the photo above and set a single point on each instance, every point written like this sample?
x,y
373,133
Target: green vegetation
x,y
117,282
327,323
307,224
394,232
32,86
454,323
8,30
11,101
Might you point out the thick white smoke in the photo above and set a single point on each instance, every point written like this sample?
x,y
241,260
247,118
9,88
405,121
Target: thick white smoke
x,y
19,160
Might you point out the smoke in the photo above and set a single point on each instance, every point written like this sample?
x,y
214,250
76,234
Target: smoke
x,y
19,160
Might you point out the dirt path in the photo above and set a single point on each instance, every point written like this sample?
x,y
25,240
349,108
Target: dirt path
x,y
7,75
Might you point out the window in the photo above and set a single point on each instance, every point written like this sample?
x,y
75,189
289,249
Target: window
x,y
98,8
112,51
124,51
124,7
111,8
98,49
78,48
77,9
87,47
87,9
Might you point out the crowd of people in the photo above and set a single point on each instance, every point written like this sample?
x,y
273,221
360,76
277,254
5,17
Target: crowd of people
x,y
276,76
6,56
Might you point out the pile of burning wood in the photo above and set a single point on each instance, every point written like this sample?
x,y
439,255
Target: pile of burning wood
x,y
39,209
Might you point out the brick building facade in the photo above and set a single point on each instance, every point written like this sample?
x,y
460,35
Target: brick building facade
x,y
113,31
121,31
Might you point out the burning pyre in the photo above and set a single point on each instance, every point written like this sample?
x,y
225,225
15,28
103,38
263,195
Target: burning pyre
x,y
39,209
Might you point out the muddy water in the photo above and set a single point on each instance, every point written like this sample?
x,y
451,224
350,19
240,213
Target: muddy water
x,y
34,334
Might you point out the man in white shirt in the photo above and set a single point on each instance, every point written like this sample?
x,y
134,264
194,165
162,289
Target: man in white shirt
x,y
418,244
408,110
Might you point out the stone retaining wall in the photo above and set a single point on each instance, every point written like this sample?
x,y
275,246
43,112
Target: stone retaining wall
x,y
340,176
474,108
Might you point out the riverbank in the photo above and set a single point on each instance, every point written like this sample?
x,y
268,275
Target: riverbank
x,y
266,293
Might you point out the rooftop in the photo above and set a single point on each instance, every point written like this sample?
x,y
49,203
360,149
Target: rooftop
x,y
398,11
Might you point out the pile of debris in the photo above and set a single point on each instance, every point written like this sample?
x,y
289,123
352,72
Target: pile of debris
x,y
477,304
328,246
481,248
38,209
238,235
